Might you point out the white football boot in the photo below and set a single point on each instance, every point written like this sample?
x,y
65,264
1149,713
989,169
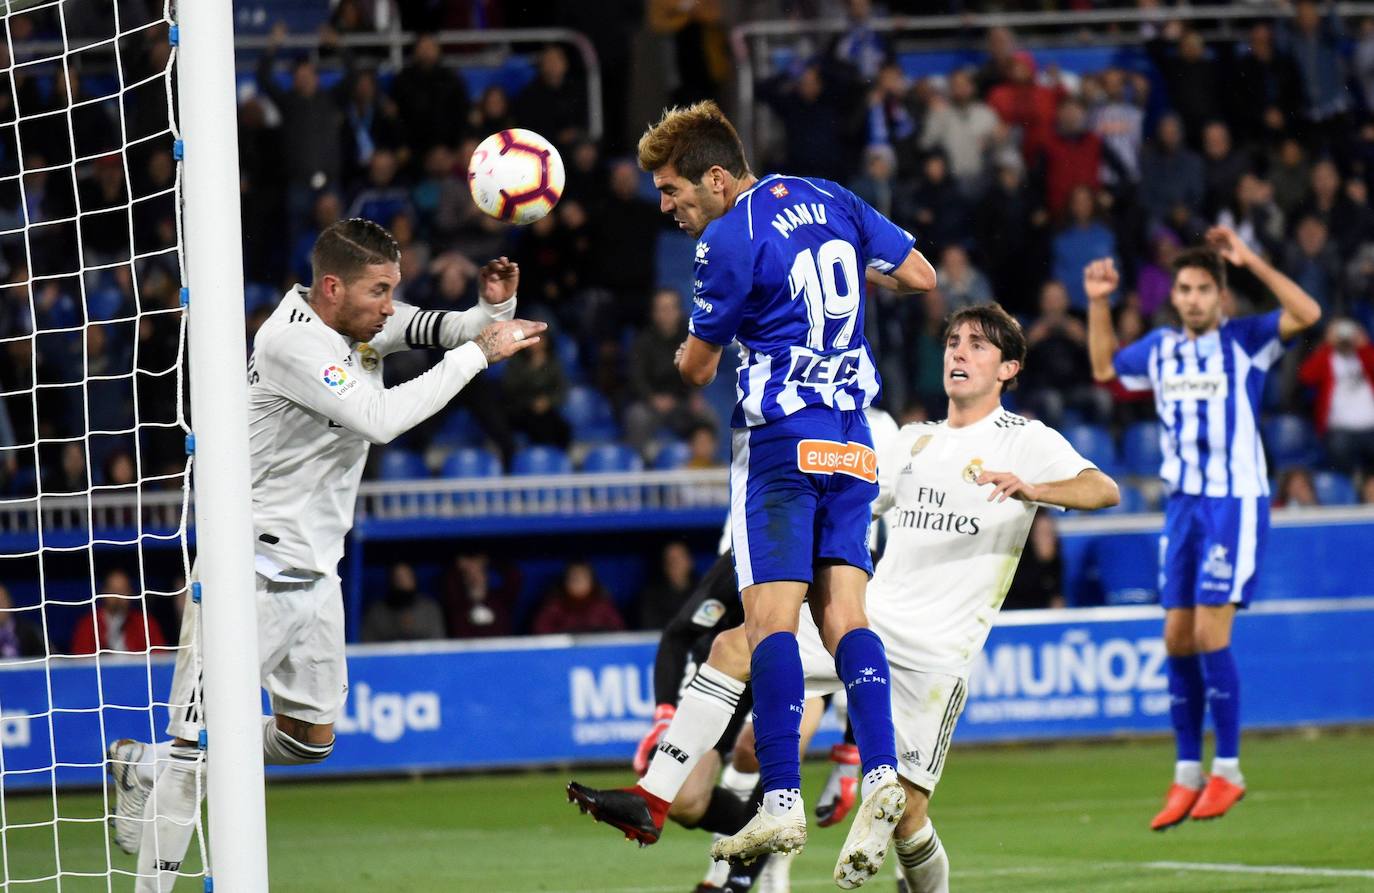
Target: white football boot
x,y
765,833
121,761
870,835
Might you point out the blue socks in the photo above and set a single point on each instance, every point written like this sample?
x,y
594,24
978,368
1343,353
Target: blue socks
x,y
779,696
861,662
1223,699
1186,705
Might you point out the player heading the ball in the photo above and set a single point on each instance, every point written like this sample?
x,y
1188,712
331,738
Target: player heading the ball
x,y
781,267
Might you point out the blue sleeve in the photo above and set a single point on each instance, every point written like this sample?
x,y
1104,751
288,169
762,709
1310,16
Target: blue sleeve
x,y
1132,362
884,244
724,276
1255,333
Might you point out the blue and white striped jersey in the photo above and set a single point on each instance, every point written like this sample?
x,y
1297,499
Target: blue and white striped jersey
x,y
1207,391
782,272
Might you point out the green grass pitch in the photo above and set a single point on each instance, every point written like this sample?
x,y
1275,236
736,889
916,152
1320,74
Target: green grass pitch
x,y
1030,818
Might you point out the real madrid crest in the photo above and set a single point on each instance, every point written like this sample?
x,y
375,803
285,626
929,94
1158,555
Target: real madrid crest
x,y
369,357
921,443
973,470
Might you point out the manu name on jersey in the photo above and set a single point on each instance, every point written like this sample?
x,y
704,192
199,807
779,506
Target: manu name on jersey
x,y
1207,392
782,273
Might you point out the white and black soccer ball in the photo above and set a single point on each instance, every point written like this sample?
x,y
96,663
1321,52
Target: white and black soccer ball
x,y
516,175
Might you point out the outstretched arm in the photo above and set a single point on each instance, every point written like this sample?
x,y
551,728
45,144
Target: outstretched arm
x,y
1090,489
1300,310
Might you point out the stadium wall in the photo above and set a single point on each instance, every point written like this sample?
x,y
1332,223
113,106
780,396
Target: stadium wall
x,y
557,700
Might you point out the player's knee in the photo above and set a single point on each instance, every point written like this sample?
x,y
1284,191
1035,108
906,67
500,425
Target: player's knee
x,y
730,653
1178,640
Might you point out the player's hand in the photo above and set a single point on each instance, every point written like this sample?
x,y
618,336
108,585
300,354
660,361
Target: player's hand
x,y
1005,484
1100,279
677,357
663,715
499,280
1224,241
507,338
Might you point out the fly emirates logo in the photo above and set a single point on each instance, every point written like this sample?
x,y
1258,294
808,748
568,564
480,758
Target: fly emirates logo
x,y
930,514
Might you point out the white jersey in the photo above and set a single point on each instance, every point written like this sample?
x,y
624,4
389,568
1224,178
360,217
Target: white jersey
x,y
950,553
316,402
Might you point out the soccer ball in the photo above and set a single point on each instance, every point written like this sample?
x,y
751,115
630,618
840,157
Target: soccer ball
x,y
516,176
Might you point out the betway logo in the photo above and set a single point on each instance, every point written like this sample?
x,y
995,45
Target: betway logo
x,y
388,715
1193,387
611,703
1074,665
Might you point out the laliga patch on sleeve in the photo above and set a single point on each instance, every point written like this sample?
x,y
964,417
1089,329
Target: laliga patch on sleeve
x,y
708,613
337,380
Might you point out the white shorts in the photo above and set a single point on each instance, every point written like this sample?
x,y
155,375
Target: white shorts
x,y
300,650
925,706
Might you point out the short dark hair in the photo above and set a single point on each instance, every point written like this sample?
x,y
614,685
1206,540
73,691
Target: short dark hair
x,y
693,140
348,247
1203,259
999,327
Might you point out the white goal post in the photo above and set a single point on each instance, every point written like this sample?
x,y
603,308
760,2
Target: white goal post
x,y
206,102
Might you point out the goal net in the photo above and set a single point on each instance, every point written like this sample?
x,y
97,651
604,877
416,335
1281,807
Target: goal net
x,y
95,457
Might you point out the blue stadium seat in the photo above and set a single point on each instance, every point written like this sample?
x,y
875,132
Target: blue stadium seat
x,y
458,429
470,462
673,454
589,414
1289,440
612,457
401,465
1334,488
1093,442
539,460
1140,449
569,357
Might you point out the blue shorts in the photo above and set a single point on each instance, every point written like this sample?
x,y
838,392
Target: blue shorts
x,y
1210,549
801,492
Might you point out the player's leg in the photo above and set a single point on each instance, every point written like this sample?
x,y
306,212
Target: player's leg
x,y
926,707
703,715
1236,532
308,681
771,611
1178,554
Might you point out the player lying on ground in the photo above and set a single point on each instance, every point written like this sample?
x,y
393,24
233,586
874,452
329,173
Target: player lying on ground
x,y
959,497
780,267
316,404
1207,378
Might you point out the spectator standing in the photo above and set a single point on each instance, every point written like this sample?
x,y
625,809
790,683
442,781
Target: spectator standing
x,y
1025,105
432,100
405,613
661,398
1264,88
1341,372
1312,262
942,214
627,239
1222,168
1072,157
819,128
1118,122
383,197
894,116
1316,49
963,284
1011,234
961,127
1083,238
1192,77
1170,173
578,604
1057,373
554,103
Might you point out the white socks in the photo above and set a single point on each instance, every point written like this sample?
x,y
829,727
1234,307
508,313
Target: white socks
x,y
280,749
1229,769
879,775
173,806
922,861
1188,773
703,712
779,802
151,760
737,782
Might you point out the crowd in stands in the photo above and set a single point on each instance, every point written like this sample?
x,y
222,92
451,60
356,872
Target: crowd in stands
x,y
1012,173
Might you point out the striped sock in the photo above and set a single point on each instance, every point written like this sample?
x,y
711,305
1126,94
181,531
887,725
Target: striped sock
x,y
923,862
704,711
